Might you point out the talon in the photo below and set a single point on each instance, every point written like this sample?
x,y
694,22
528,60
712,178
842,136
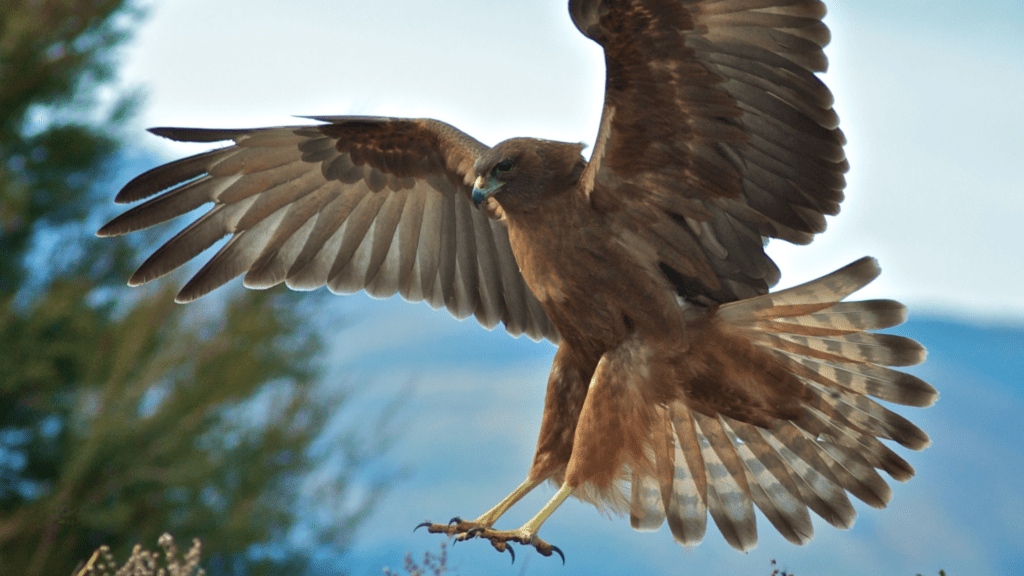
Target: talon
x,y
557,549
502,540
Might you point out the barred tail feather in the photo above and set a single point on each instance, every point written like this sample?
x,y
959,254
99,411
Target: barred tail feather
x,y
679,493
728,493
824,343
686,510
830,448
772,489
818,488
646,504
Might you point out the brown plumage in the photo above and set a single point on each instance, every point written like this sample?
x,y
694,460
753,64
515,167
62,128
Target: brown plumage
x,y
680,387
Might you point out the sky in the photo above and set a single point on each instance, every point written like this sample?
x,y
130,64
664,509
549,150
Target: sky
x,y
923,91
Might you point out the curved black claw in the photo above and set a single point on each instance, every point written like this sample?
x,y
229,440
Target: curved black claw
x,y
421,525
454,520
557,549
513,553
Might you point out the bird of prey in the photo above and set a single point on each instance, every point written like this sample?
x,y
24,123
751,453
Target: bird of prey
x,y
681,386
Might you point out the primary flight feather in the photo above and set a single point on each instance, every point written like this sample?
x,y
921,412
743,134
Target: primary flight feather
x,y
681,387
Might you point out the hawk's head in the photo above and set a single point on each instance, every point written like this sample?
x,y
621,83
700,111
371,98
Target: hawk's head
x,y
521,172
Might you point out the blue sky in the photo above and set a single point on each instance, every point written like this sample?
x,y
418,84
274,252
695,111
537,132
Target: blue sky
x,y
923,90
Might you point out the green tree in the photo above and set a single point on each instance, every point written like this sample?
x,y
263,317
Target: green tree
x,y
122,415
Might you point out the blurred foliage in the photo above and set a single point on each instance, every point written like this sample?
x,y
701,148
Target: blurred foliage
x,y
123,415
142,562
57,132
433,564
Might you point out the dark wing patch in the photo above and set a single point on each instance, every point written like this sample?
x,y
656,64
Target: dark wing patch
x,y
716,133
380,204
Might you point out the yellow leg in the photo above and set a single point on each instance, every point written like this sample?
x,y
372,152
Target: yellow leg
x,y
491,516
533,525
526,534
459,526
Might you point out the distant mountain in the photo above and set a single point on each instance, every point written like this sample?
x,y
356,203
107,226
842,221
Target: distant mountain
x,y
995,352
477,404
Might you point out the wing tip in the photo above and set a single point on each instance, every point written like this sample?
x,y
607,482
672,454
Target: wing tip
x,y
108,231
197,135
189,294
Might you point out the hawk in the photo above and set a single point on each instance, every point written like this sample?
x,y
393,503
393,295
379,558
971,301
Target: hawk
x,y
681,386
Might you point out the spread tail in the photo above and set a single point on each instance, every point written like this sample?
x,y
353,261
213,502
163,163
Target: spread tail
x,y
833,443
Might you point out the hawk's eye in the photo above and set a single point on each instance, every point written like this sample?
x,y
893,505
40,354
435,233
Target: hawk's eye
x,y
503,167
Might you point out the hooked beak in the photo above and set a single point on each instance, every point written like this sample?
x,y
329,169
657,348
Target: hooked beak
x,y
483,188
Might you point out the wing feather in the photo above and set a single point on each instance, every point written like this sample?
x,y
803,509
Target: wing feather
x,y
491,306
236,256
272,267
716,103
328,225
381,204
348,271
180,200
381,278
447,254
430,247
408,239
312,266
467,280
188,243
180,171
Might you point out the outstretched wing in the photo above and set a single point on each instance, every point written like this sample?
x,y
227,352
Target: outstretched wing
x,y
716,133
381,204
